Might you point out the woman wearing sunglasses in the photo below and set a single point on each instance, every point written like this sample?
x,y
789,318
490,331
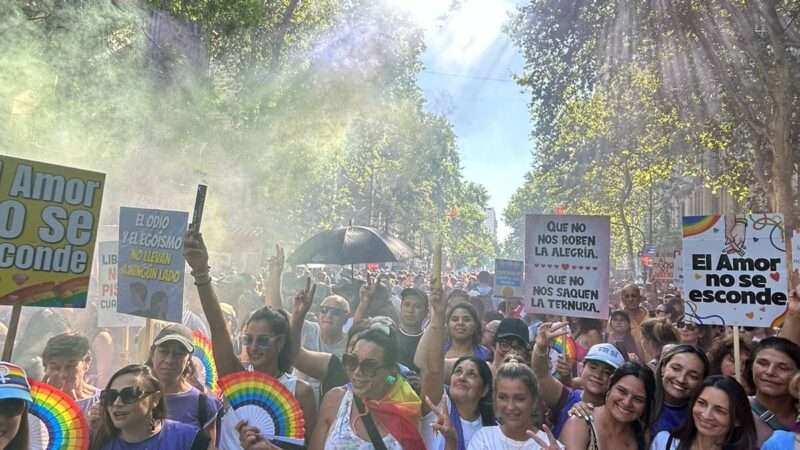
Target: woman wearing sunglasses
x,y
467,404
134,416
689,333
266,339
377,407
186,400
15,398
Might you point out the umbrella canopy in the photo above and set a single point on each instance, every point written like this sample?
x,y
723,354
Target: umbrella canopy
x,y
351,245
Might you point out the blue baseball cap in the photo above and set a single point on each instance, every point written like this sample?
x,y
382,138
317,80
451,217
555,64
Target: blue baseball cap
x,y
14,383
606,354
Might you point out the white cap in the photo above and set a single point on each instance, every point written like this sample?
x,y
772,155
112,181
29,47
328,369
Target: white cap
x,y
605,353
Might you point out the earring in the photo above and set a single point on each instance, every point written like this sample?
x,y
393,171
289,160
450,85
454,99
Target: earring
x,y
391,379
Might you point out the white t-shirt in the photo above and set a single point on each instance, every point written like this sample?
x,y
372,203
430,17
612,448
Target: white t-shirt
x,y
436,441
660,442
492,438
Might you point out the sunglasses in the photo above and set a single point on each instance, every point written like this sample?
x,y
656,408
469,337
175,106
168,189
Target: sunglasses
x,y
262,341
11,407
332,311
368,367
687,325
127,396
508,344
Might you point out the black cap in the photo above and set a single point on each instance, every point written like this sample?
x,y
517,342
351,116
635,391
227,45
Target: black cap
x,y
513,328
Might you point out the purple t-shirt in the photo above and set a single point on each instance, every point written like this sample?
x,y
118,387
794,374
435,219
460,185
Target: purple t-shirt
x,y
185,407
173,436
560,414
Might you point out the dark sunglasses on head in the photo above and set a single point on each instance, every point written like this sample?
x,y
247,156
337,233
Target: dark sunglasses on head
x,y
687,325
368,367
262,341
11,407
127,396
332,311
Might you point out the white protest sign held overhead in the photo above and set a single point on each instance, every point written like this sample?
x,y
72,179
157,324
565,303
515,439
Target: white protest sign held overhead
x,y
566,265
735,269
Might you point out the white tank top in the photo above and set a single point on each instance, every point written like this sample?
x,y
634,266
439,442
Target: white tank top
x,y
228,436
342,437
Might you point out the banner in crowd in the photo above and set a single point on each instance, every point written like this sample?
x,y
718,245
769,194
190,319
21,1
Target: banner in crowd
x,y
735,269
48,228
508,275
662,268
107,315
151,263
566,265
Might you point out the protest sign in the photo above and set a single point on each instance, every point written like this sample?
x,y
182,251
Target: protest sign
x,y
677,270
107,315
151,263
735,269
508,275
566,265
662,268
48,228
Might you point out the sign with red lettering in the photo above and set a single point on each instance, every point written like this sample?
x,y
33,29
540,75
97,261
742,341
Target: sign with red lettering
x,y
735,269
566,265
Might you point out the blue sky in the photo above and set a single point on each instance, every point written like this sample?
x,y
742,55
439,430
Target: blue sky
x,y
469,63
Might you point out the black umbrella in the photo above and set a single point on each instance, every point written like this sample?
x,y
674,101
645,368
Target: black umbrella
x,y
351,245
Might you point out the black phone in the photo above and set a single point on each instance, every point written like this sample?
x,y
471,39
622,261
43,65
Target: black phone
x,y
199,204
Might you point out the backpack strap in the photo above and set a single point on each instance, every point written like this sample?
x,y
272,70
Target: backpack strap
x,y
202,409
766,416
369,424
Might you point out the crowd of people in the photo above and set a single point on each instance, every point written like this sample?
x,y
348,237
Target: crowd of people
x,y
396,360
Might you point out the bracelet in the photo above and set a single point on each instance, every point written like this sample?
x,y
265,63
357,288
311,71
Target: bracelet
x,y
203,283
201,279
196,273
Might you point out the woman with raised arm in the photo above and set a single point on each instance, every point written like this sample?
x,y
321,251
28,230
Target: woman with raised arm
x,y
266,338
467,403
621,421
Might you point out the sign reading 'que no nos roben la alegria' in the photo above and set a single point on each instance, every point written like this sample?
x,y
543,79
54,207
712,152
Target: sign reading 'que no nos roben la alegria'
x,y
48,226
566,265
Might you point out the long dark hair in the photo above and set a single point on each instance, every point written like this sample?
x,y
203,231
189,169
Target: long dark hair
x,y
478,333
643,373
742,432
106,431
20,441
279,323
665,359
485,407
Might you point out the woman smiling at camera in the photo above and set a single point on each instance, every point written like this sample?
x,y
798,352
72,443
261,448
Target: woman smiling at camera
x,y
133,416
620,423
720,419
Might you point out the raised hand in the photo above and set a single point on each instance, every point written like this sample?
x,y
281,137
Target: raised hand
x,y
550,444
367,291
549,331
195,252
275,263
304,298
442,424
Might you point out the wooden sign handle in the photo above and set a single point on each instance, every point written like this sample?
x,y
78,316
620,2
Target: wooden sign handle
x,y
8,348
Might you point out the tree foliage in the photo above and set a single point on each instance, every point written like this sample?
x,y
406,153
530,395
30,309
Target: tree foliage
x,y
300,116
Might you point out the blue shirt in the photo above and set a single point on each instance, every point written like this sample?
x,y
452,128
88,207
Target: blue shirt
x,y
173,436
559,414
780,440
670,418
185,407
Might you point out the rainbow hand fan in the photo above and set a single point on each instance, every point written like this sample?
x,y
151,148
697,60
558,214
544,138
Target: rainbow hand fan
x,y
265,403
57,421
203,352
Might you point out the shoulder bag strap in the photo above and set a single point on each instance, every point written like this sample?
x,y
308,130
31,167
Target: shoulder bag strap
x,y
369,424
